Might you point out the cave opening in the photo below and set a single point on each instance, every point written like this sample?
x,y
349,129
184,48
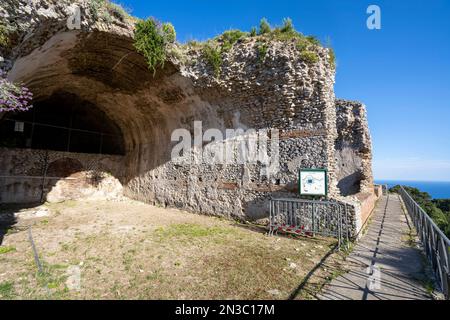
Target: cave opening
x,y
62,122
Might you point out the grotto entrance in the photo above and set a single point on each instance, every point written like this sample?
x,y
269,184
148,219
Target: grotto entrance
x,y
63,148
97,103
63,122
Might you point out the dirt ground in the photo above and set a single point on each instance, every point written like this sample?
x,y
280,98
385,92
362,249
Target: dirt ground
x,y
131,250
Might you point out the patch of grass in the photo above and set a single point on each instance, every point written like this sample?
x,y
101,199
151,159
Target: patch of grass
x,y
213,56
7,249
332,58
264,27
212,51
310,57
95,8
288,26
117,11
347,248
429,286
4,36
169,31
6,290
128,258
156,275
52,277
190,230
313,40
230,37
106,10
302,44
262,48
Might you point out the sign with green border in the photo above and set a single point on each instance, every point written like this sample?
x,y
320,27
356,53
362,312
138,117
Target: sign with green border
x,y
313,182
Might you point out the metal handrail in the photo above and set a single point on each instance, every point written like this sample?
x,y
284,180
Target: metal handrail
x,y
435,242
310,218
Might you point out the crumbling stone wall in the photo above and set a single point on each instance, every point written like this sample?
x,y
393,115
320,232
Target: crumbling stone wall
x,y
68,175
300,105
99,64
353,148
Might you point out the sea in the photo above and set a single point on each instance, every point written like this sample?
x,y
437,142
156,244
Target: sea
x,y
437,189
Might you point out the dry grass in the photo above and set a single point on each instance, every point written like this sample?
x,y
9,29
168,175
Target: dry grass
x,y
129,250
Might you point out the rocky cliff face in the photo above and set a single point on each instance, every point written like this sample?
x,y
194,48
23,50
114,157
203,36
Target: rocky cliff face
x,y
281,90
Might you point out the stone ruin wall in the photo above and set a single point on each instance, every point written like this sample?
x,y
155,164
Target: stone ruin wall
x,y
68,176
279,92
353,148
300,104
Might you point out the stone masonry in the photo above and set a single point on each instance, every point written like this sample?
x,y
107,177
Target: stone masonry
x,y
99,64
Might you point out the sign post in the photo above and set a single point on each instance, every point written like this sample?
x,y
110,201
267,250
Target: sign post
x,y
313,182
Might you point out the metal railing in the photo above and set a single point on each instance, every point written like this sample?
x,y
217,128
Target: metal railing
x,y
310,218
435,242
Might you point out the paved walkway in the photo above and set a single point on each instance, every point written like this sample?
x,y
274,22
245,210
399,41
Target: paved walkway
x,y
382,265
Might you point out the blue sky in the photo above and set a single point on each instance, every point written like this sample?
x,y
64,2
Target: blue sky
x,y
401,72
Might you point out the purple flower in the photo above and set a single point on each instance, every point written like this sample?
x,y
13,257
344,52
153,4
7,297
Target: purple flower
x,y
14,97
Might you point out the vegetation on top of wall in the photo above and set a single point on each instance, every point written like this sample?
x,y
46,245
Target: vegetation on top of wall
x,y
306,45
262,48
213,50
105,10
169,32
213,56
309,57
151,39
332,58
154,40
264,27
229,38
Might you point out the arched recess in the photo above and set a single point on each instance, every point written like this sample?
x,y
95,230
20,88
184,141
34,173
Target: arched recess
x,y
108,83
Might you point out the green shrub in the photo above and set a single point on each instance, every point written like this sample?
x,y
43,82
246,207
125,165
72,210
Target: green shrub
x,y
229,38
117,11
194,44
253,32
169,31
287,25
213,55
213,50
264,26
313,40
151,39
309,57
105,10
6,290
4,36
302,44
95,8
262,48
332,58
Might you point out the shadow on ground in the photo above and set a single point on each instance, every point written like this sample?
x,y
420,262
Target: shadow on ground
x,y
8,216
